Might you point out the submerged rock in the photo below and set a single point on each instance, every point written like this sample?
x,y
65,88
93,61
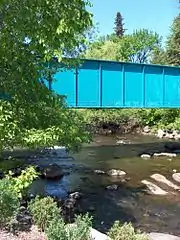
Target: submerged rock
x,y
162,179
116,172
146,156
176,177
53,171
162,236
99,172
154,189
165,154
112,187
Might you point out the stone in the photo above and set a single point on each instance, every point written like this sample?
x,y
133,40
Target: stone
x,y
116,172
146,156
75,195
160,133
154,189
162,236
146,129
53,171
112,187
165,154
99,172
176,177
160,178
94,234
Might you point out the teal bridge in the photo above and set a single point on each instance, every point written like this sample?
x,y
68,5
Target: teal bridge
x,y
107,84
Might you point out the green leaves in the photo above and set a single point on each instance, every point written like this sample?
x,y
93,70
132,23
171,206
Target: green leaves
x,y
32,33
173,44
136,47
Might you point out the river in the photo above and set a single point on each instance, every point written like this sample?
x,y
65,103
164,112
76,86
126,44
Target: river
x,y
129,202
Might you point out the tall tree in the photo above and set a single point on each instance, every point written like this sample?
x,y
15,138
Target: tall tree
x,y
173,43
32,32
119,25
138,47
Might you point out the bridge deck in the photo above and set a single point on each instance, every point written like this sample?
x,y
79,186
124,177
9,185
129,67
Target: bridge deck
x,y
105,84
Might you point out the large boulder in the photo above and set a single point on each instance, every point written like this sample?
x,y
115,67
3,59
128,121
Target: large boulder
x,y
162,236
176,177
53,171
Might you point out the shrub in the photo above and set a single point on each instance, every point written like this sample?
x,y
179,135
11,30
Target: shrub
x,y
125,232
9,202
44,211
56,230
80,230
21,184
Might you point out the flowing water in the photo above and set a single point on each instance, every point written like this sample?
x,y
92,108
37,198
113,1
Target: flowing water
x,y
129,202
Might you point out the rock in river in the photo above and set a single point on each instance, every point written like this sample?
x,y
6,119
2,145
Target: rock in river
x,y
162,236
145,156
116,172
162,179
176,177
165,154
53,171
154,189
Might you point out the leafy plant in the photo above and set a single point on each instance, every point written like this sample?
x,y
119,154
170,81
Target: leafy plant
x,y
9,202
44,211
21,184
125,232
80,230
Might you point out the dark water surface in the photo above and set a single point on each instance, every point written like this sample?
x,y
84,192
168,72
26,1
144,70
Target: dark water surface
x,y
129,202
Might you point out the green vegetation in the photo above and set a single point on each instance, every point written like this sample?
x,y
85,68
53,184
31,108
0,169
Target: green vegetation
x,y
44,211
125,232
12,189
127,118
34,116
9,203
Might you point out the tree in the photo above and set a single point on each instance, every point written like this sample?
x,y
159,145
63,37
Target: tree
x,y
102,50
32,32
119,25
173,43
138,47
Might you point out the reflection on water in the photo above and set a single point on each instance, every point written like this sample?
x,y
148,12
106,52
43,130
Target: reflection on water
x,y
129,202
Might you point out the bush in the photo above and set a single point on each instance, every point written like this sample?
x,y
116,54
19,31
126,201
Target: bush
x,y
44,211
80,230
125,232
21,184
9,202
56,230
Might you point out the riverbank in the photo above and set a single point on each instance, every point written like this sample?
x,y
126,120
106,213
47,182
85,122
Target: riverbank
x,y
165,123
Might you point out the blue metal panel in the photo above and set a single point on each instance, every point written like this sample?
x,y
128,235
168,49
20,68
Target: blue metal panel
x,y
172,87
65,84
112,85
88,85
154,93
133,85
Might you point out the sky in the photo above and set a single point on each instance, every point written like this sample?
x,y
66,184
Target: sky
x,y
156,15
